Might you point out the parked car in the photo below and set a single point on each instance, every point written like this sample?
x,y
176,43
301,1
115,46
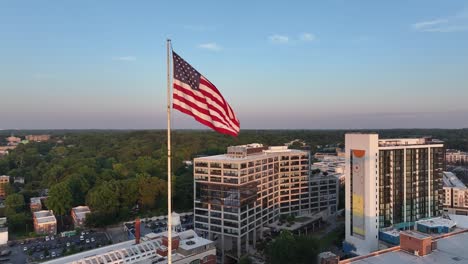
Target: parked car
x,y
87,241
92,239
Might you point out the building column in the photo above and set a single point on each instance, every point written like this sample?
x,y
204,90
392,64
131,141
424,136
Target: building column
x,y
429,189
254,238
239,239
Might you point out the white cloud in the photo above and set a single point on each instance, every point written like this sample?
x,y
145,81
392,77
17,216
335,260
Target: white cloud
x,y
455,23
307,37
210,46
278,39
124,58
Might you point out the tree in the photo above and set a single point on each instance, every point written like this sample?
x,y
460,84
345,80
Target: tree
x,y
289,248
14,203
149,188
60,199
104,197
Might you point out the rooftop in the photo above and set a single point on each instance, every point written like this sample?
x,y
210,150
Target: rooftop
x,y
128,249
450,250
451,180
408,141
270,152
81,211
438,221
44,216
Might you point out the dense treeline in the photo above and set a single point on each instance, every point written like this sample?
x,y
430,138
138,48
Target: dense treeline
x,y
118,173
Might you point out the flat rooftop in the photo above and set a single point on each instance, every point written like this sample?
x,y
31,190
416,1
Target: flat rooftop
x,y
408,141
44,216
450,250
451,180
436,222
81,211
270,152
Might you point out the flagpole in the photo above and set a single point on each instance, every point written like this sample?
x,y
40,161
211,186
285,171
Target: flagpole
x,y
169,174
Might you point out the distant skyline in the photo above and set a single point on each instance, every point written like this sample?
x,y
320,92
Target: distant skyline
x,y
281,65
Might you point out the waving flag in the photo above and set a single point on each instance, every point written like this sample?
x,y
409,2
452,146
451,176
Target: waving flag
x,y
194,95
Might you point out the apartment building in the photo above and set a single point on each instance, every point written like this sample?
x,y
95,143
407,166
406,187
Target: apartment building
x,y
453,156
45,222
455,195
4,181
389,182
238,193
35,204
37,138
79,215
324,191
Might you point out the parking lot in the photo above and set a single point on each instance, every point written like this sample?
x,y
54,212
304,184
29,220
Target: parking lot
x,y
41,249
158,226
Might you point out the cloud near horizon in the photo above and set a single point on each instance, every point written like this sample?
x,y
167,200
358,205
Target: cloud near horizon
x,y
307,37
210,46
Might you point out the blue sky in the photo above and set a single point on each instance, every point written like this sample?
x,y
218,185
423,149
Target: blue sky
x,y
280,64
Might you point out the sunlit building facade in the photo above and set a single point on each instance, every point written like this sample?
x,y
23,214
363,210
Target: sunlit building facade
x,y
238,193
390,182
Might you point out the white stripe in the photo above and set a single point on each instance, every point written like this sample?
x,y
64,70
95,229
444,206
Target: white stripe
x,y
200,105
203,116
209,101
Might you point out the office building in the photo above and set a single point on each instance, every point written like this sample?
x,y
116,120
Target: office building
x,y
79,215
324,189
389,182
45,222
240,192
455,195
4,181
13,141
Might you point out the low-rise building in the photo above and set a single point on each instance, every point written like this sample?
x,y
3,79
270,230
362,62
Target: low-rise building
x,y
3,231
416,247
4,180
187,248
35,204
79,215
37,138
19,180
13,141
45,222
4,150
455,199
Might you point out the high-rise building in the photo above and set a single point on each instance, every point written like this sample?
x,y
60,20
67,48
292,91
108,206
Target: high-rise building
x,y
389,182
238,193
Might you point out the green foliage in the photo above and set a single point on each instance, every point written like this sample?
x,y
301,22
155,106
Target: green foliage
x,y
60,198
14,203
289,248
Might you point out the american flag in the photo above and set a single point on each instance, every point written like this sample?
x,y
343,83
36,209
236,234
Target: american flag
x,y
194,95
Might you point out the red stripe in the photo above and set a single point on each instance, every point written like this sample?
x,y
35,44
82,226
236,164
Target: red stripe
x,y
201,110
204,122
203,101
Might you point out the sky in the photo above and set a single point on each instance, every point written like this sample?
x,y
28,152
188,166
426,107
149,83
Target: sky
x,y
335,64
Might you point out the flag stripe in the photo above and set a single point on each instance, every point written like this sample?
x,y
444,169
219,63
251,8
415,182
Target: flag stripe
x,y
189,111
208,89
182,88
200,107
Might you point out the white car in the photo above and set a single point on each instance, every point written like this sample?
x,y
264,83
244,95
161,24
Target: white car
x,y
87,241
81,238
47,238
25,248
68,244
92,239
52,238
54,255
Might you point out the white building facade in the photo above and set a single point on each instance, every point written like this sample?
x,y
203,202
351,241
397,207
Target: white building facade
x,y
389,182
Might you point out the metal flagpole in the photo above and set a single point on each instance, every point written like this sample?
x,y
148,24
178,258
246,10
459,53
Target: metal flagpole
x,y
169,174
